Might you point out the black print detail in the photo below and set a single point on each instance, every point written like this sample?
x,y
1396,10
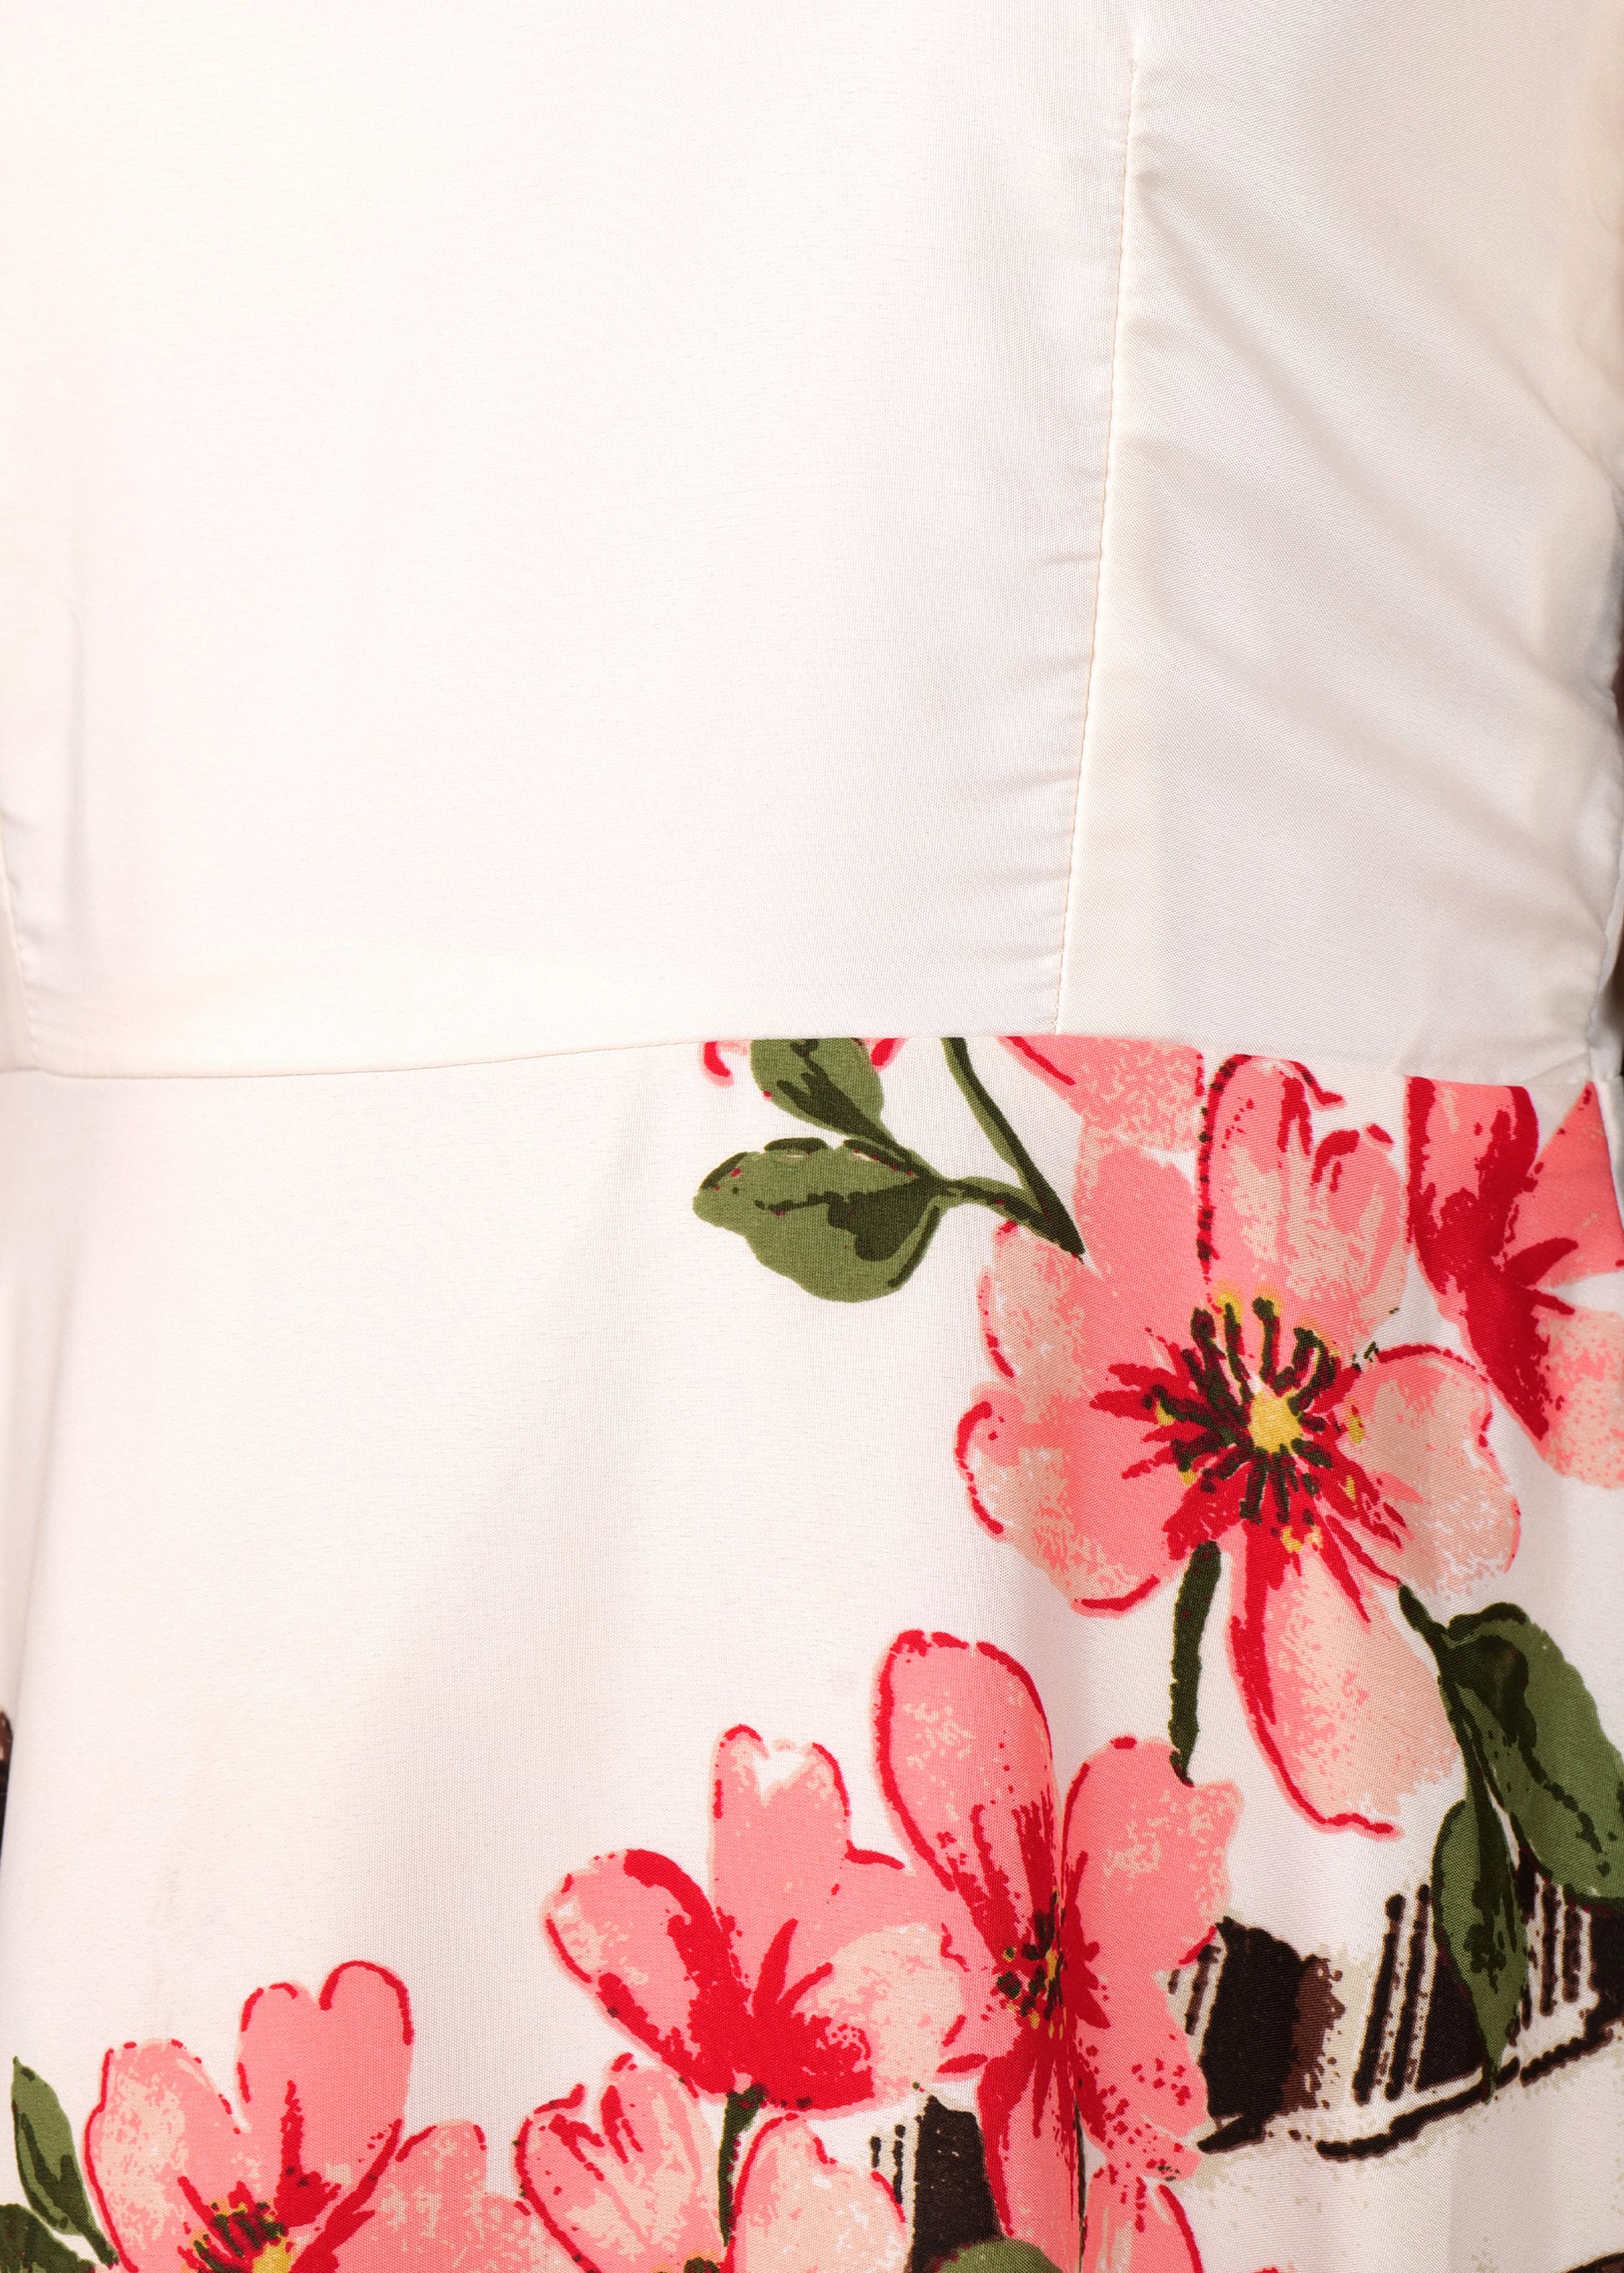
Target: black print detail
x,y
1360,2059
5,1767
953,2201
1249,2050
1450,2047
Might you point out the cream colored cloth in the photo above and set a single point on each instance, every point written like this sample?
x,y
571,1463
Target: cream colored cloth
x,y
542,536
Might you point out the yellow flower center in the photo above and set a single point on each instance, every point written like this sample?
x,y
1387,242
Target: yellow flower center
x,y
1272,1424
243,2237
1033,1981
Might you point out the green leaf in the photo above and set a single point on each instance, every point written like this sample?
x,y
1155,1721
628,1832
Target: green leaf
x,y
47,2162
1475,1902
1542,1747
1195,1600
1000,2257
832,1084
28,2246
840,1222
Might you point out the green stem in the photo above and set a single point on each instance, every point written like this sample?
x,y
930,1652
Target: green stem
x,y
1425,1623
1003,1199
1195,1600
1051,1220
1437,1639
742,2109
978,1191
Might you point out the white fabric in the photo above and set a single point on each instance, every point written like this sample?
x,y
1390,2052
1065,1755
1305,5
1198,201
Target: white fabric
x,y
555,531
428,1488
532,528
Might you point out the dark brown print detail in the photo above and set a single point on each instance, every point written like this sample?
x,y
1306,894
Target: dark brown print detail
x,y
1359,2059
953,2200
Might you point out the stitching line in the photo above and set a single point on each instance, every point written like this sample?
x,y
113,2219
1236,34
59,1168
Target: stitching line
x,y
8,900
8,890
1068,917
1612,938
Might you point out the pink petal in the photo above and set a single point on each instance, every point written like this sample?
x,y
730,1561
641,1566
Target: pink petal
x,y
1472,1148
163,2149
1028,2124
842,1952
431,2211
1066,1477
644,1939
881,2014
1571,1205
1140,2094
967,1765
779,1841
1057,1495
1554,1365
1137,2230
1314,1224
326,2078
1482,1192
1496,1229
713,1060
638,2192
1418,1420
1139,1093
800,2211
1147,1867
1146,1883
1584,1416
1344,1705
1140,1227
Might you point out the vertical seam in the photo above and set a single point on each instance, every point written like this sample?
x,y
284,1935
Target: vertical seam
x,y
1068,917
1612,954
8,901
1612,936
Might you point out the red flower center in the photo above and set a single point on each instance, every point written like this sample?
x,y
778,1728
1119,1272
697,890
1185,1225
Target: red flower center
x,y
1258,1436
1032,1978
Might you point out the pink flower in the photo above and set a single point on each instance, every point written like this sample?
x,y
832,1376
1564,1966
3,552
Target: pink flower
x,y
183,2183
1066,1925
800,2211
1498,1225
1124,1092
1146,2231
432,2213
813,1972
1207,1373
638,2192
713,1056
313,2173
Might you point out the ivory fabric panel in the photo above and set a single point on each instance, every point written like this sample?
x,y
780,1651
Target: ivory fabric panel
x,y
989,1641
555,528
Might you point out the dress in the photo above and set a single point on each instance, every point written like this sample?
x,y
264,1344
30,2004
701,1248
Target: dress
x,y
992,1640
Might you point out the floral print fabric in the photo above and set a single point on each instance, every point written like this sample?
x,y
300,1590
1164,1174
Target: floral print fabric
x,y
1222,1384
1245,1344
